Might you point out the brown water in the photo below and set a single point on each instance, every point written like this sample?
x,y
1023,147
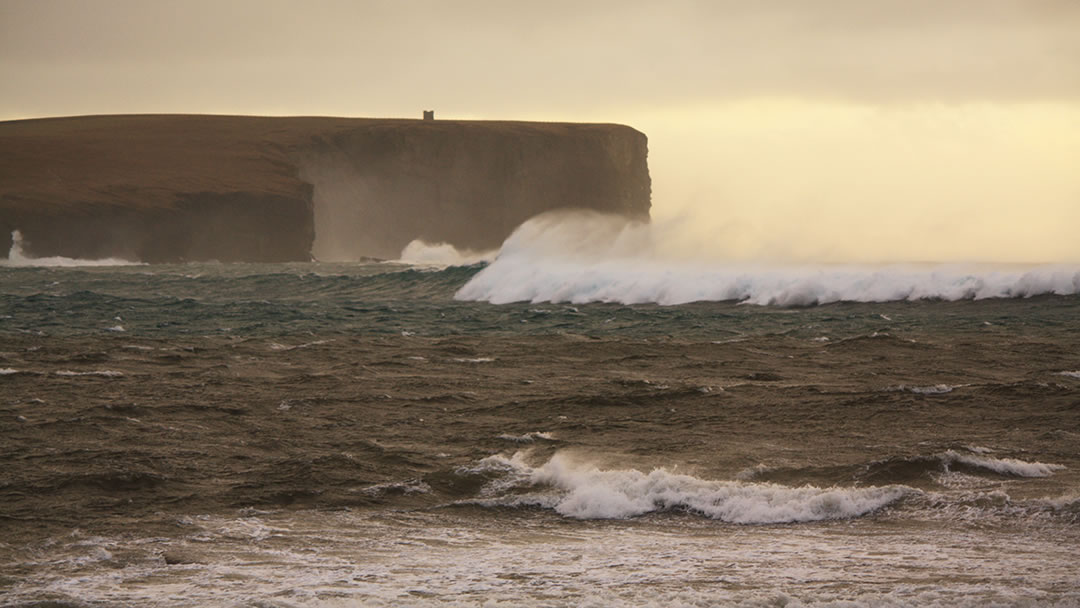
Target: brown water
x,y
425,451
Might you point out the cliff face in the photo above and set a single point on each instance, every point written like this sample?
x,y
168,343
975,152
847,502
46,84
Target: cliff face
x,y
176,188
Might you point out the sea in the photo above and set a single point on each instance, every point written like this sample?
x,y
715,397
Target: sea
x,y
538,427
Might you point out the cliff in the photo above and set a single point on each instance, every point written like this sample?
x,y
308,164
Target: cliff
x,y
168,188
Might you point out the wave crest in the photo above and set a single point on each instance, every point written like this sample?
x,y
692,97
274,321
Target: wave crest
x,y
582,491
593,258
1002,466
18,257
419,252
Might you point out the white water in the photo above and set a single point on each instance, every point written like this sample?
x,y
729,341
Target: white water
x,y
580,258
474,359
1004,466
107,373
583,491
936,389
523,438
948,550
441,254
345,559
18,257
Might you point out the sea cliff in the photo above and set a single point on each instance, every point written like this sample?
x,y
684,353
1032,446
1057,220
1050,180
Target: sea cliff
x,y
174,188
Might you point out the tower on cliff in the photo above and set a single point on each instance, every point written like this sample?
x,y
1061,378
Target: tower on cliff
x,y
429,114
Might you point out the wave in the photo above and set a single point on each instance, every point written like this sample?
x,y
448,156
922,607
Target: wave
x,y
412,486
419,252
585,258
18,257
950,467
529,437
1001,466
582,491
106,373
935,389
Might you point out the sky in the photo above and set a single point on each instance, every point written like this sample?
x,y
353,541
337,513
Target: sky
x,y
832,130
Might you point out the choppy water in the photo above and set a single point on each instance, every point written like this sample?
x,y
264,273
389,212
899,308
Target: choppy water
x,y
352,434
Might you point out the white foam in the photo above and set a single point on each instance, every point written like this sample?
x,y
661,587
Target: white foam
x,y
278,346
7,371
108,373
474,360
18,257
527,437
441,254
934,389
752,472
1060,503
413,486
115,328
1075,374
337,559
591,258
586,492
1005,466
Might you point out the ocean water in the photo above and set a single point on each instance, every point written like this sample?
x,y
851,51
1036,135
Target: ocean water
x,y
538,429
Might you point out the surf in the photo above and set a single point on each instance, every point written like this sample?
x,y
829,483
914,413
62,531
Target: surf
x,y
421,253
580,490
17,256
584,258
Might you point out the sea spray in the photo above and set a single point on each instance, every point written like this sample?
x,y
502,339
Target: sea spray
x,y
419,252
17,256
583,258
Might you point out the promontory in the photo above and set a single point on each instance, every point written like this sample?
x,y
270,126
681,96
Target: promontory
x,y
175,188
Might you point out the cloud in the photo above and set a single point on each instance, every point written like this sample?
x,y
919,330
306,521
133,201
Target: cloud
x,y
68,56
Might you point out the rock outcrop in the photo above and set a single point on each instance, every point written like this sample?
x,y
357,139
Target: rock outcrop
x,y
171,188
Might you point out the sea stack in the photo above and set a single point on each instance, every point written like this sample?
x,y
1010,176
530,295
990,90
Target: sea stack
x,y
175,188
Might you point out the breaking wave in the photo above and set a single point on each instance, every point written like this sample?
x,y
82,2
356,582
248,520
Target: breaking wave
x,y
935,389
442,254
18,257
939,468
593,258
106,373
1001,466
583,491
529,437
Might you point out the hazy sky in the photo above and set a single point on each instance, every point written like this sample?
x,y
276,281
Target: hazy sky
x,y
832,129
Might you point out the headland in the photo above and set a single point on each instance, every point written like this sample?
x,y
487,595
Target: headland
x,y
175,188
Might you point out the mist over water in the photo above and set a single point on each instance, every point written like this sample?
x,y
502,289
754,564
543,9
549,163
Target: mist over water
x,y
793,179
